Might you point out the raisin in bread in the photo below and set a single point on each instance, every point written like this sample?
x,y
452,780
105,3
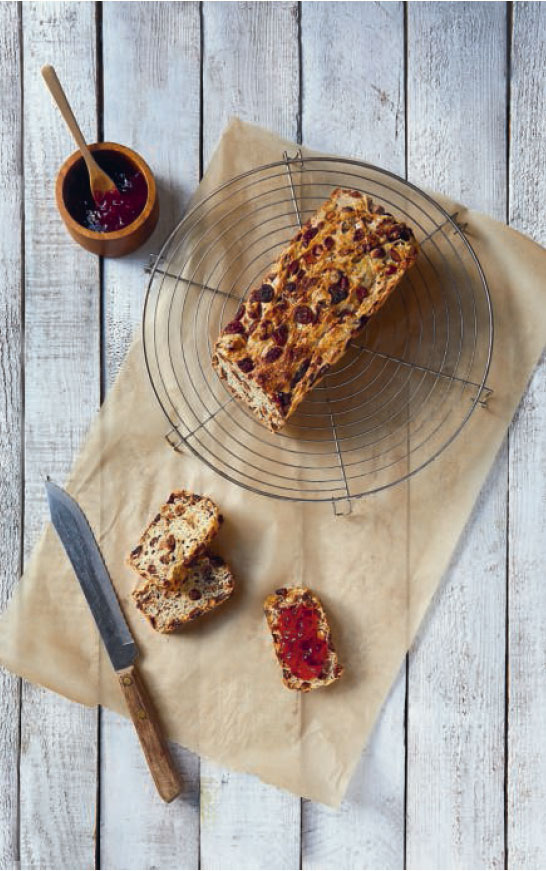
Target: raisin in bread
x,y
302,639
180,531
208,583
336,272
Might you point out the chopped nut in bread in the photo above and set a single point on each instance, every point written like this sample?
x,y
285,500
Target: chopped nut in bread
x,y
208,583
180,531
302,639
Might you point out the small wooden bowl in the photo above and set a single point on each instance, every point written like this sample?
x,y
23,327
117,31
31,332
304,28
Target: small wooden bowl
x,y
118,242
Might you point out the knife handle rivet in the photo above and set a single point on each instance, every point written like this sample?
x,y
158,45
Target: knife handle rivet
x,y
141,714
127,681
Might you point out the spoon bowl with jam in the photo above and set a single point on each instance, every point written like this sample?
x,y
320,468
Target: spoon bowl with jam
x,y
121,219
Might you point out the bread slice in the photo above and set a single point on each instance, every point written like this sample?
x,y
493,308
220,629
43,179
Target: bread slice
x,y
302,639
208,583
181,531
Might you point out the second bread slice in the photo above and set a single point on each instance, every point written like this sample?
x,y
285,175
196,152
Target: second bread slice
x,y
181,531
207,584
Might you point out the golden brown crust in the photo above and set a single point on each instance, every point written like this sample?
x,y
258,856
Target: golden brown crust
x,y
208,582
288,598
336,272
181,530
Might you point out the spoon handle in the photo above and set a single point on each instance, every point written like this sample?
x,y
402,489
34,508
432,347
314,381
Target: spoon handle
x,y
56,89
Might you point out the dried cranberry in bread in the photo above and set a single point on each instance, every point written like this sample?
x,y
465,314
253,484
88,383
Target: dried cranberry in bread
x,y
208,583
180,531
336,272
302,639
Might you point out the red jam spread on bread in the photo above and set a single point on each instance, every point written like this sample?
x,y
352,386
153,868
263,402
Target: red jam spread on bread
x,y
116,209
302,650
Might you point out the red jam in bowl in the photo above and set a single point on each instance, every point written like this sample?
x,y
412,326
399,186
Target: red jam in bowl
x,y
301,648
116,209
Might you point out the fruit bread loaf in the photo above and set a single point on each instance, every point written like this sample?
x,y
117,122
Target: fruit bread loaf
x,y
302,639
336,272
208,582
180,531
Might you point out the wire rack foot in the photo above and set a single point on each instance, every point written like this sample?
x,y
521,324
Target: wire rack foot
x,y
174,440
342,507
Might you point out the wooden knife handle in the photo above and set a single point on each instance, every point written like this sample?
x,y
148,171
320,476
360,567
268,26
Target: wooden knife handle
x,y
149,733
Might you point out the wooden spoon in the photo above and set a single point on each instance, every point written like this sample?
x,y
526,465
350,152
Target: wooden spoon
x,y
100,182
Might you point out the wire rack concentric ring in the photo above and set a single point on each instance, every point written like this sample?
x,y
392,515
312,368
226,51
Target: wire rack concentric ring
x,y
407,384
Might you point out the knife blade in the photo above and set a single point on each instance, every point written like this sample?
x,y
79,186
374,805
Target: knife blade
x,y
82,550
81,547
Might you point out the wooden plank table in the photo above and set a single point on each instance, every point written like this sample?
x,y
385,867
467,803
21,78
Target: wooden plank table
x,y
450,94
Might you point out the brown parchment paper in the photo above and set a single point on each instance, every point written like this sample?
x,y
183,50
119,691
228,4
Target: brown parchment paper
x,y
216,685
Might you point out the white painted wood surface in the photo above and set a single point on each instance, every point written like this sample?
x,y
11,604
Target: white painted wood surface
x,y
244,823
58,767
368,830
526,772
11,407
352,61
353,81
136,829
456,675
250,67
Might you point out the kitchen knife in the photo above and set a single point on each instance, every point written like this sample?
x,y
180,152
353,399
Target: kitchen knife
x,y
83,552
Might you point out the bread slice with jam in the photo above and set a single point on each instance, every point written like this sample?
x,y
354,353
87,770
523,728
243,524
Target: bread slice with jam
x,y
208,582
181,531
302,639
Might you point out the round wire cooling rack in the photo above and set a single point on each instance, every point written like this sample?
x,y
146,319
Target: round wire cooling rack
x,y
406,385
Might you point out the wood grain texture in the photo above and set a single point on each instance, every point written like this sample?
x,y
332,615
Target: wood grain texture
x,y
527,472
138,830
456,676
356,108
246,823
368,829
456,101
250,69
58,738
156,112
455,780
353,80
11,406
